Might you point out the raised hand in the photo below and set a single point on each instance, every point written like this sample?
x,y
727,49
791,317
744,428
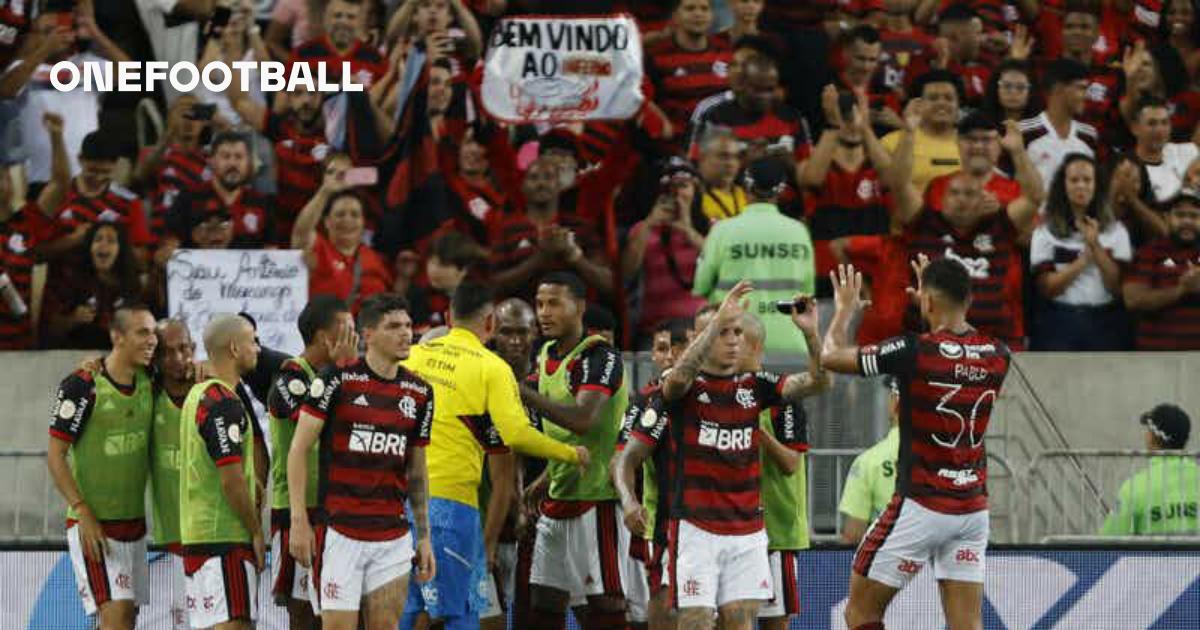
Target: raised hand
x,y
847,288
734,304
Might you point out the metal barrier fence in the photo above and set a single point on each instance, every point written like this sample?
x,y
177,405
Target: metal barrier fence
x,y
1071,492
34,508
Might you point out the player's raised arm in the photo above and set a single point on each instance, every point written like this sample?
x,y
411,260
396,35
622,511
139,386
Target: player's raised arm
x,y
816,379
838,353
677,382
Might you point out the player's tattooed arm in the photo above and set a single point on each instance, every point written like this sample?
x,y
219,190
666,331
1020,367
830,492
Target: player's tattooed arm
x,y
678,379
816,379
418,490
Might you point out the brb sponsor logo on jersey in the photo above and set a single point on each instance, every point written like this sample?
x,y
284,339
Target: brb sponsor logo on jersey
x,y
713,435
367,439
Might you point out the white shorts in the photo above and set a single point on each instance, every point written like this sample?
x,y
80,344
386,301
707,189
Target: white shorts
x,y
499,594
785,583
907,536
223,588
122,574
586,556
710,570
346,570
289,580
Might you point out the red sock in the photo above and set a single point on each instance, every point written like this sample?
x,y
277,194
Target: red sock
x,y
545,620
874,625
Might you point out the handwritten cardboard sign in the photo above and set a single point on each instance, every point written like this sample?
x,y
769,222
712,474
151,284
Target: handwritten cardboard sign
x,y
543,69
270,285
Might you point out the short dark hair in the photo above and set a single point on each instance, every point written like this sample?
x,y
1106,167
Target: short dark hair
x,y
1149,101
677,327
469,299
864,33
99,145
574,285
957,12
759,44
318,314
1087,7
457,249
232,136
950,278
674,4
597,317
1063,72
937,76
348,193
376,307
977,121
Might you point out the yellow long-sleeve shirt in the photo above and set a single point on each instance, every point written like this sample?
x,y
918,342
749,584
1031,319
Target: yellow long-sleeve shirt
x,y
477,409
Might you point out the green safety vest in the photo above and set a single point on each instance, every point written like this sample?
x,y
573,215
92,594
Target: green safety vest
x,y
774,252
110,459
205,516
1160,500
164,469
784,499
566,482
282,431
871,482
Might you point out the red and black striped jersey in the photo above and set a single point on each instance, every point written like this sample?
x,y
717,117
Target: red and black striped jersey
x,y
1158,265
681,77
643,415
782,127
221,419
902,51
250,213
298,159
370,422
19,235
948,386
178,171
712,432
990,254
116,205
366,64
15,18
849,203
515,238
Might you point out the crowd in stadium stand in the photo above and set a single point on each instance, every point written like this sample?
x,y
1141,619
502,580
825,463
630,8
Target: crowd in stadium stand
x,y
1049,146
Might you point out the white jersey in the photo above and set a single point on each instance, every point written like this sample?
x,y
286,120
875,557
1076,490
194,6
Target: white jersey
x,y
1048,150
1166,176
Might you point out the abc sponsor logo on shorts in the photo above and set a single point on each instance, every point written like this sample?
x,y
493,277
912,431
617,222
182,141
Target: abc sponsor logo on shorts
x,y
712,435
910,567
966,556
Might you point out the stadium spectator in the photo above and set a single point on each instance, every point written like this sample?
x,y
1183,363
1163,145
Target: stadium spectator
x,y
1057,132
743,49
1080,36
846,195
22,231
763,246
239,40
861,53
1179,30
1164,281
173,28
759,117
178,162
65,30
338,261
1166,162
343,27
1162,499
21,53
85,293
1133,201
219,502
980,150
746,15
452,258
905,45
227,192
687,64
719,164
1011,93
94,197
936,98
963,53
660,255
971,228
104,487
871,480
297,130
425,27
1077,254
544,238
784,466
